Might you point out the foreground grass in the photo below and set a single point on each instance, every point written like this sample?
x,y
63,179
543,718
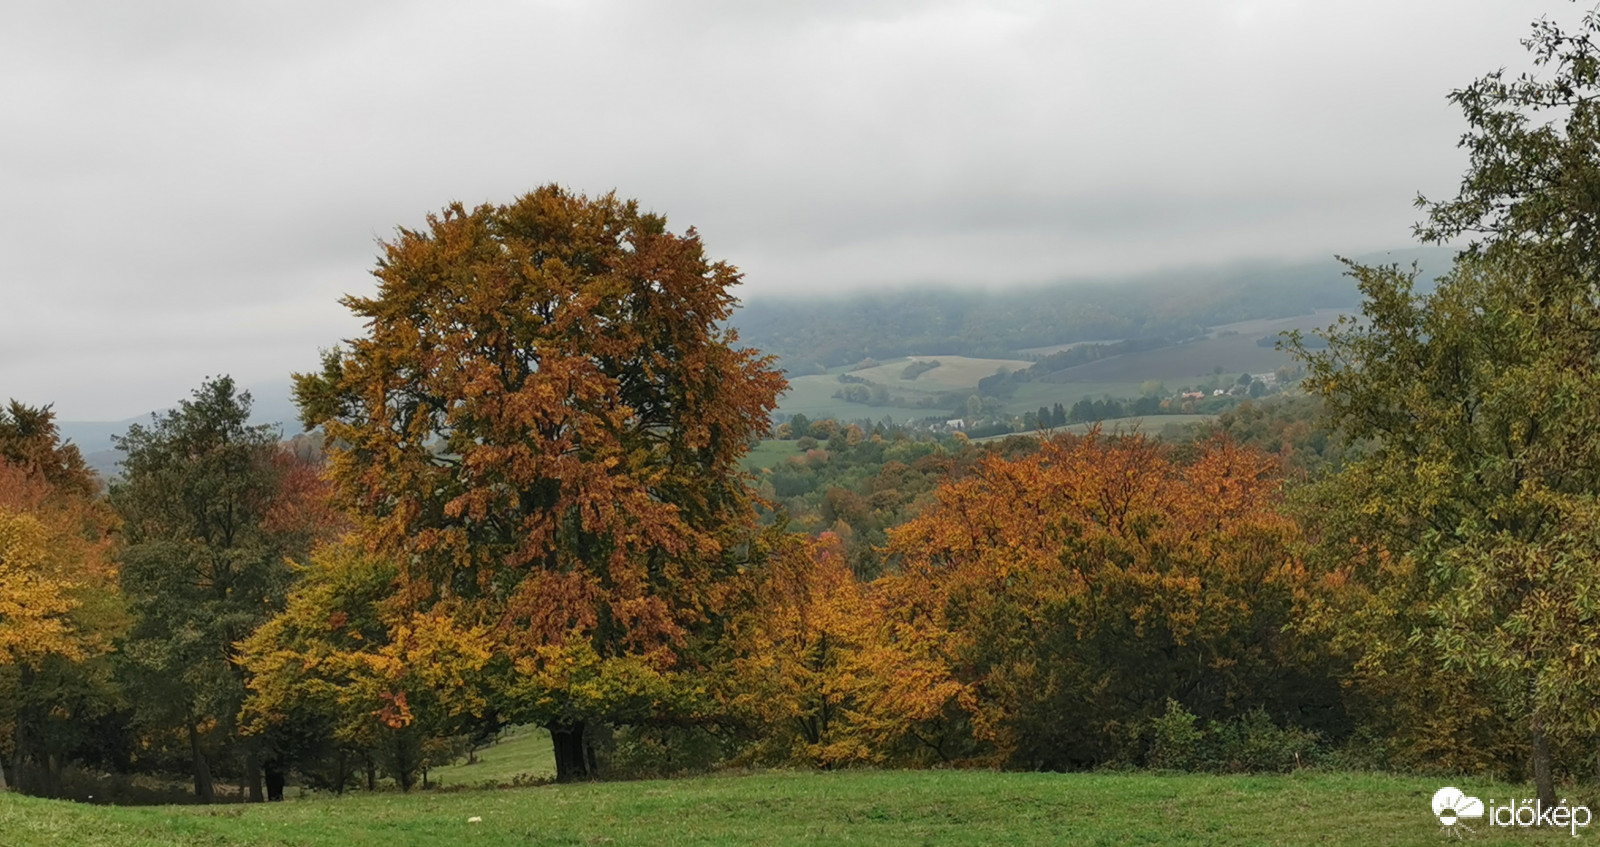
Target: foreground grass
x,y
866,808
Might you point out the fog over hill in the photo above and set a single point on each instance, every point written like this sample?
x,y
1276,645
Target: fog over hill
x,y
815,333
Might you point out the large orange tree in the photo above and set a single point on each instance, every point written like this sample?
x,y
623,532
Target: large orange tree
x,y
1043,610
543,425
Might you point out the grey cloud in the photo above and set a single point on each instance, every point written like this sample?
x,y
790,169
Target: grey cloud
x,y
190,186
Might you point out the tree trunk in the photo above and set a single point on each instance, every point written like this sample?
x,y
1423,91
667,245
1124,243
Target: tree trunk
x,y
52,775
3,786
570,745
202,769
1544,782
22,738
372,774
252,773
18,739
405,764
341,771
276,779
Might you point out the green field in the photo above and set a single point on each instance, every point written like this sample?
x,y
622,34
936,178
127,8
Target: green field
x,y
812,395
954,372
522,754
849,807
769,454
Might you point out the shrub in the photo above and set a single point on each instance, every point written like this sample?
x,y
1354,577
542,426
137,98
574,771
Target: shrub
x,y
1247,743
1175,739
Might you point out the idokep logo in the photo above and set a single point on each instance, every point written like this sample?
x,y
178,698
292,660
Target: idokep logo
x,y
1452,807
1451,804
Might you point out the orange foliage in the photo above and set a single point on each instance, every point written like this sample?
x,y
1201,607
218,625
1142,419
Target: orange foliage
x,y
797,674
1091,578
56,571
543,426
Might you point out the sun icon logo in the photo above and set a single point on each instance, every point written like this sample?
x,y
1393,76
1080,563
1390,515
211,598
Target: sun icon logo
x,y
1450,805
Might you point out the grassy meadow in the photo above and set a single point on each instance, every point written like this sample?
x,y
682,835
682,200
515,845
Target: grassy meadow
x,y
522,754
795,808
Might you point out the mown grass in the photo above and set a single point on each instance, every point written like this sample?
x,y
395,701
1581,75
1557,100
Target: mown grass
x,y
847,808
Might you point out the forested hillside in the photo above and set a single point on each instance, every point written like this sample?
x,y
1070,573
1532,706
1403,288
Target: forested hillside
x,y
814,333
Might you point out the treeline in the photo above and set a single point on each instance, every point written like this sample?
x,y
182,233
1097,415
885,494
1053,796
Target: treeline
x,y
120,613
1051,611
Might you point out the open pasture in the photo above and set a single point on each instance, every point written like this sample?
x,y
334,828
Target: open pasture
x,y
944,807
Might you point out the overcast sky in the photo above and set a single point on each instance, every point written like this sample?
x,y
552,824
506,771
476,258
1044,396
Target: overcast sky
x,y
188,188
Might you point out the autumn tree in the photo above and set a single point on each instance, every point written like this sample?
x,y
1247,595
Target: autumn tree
x,y
1046,607
58,607
798,652
207,535
543,426
338,679
1471,514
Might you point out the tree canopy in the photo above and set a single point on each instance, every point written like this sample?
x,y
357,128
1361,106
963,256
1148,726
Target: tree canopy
x,y
204,563
544,423
1472,509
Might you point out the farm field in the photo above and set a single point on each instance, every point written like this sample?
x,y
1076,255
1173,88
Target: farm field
x,y
784,808
812,395
953,372
1233,347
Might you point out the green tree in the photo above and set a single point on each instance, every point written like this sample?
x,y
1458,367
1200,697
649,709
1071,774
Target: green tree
x,y
1475,508
201,568
1529,195
544,424
1484,449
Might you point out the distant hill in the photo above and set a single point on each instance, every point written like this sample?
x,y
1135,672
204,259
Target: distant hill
x,y
815,333
272,405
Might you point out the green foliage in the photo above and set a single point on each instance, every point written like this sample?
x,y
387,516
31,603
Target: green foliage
x,y
1175,739
1293,426
1248,743
201,568
918,368
653,751
1469,518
